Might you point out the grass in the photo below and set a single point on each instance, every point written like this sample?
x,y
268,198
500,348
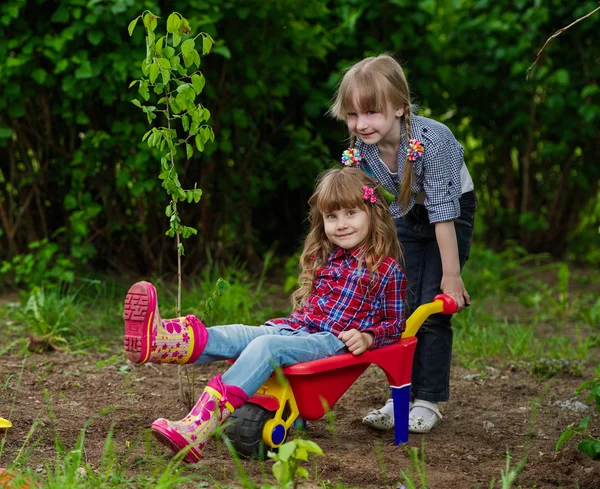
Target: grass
x,y
517,299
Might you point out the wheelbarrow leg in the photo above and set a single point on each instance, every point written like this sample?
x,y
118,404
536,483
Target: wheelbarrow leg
x,y
401,397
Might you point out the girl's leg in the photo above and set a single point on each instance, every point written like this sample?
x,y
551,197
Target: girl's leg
x,y
433,355
265,353
225,342
431,366
224,394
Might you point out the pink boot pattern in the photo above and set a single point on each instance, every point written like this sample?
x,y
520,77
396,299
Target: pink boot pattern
x,y
148,338
216,404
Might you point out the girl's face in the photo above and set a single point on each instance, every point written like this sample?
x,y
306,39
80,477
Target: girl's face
x,y
346,228
375,127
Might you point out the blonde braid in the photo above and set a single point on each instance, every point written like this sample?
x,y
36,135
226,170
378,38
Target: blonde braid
x,y
407,172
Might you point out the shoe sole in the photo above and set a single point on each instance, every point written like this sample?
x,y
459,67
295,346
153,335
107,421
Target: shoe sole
x,y
138,312
175,442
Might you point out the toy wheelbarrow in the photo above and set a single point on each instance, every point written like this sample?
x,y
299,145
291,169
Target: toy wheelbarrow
x,y
314,387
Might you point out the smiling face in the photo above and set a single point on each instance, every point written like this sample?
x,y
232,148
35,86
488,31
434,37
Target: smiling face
x,y
346,228
373,126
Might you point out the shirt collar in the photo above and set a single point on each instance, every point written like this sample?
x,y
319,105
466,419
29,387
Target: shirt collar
x,y
355,253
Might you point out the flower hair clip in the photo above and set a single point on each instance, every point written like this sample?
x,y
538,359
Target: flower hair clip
x,y
351,157
415,149
369,194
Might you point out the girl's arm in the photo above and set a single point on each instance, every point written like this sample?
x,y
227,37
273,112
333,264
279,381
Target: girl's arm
x,y
452,283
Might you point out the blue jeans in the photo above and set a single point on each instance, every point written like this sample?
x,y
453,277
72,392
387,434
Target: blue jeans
x,y
258,350
423,267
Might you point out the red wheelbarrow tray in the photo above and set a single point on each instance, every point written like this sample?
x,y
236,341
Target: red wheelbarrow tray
x,y
318,385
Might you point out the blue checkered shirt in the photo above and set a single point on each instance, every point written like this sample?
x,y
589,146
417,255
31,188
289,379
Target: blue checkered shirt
x,y
436,171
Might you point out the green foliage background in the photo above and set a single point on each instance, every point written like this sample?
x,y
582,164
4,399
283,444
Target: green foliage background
x,y
78,185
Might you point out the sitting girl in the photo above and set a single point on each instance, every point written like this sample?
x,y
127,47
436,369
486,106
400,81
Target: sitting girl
x,y
350,297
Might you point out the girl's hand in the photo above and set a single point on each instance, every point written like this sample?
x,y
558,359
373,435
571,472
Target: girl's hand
x,y
455,288
356,341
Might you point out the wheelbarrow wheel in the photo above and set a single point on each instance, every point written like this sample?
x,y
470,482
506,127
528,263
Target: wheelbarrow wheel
x,y
246,428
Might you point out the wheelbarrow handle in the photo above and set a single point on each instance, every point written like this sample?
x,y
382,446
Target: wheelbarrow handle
x,y
448,302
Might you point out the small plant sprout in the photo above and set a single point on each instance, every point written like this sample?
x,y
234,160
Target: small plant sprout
x,y
171,71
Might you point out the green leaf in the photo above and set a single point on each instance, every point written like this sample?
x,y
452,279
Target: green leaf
x,y
189,150
146,67
590,447
132,25
196,58
301,454
589,90
173,23
133,83
190,196
207,43
187,47
169,210
302,472
182,100
175,63
175,108
185,121
164,63
39,75
166,75
95,37
154,70
199,142
311,446
136,102
150,21
279,471
197,195
84,70
286,450
205,132
198,82
176,39
168,52
583,424
222,51
143,90
146,135
180,249
562,77
564,438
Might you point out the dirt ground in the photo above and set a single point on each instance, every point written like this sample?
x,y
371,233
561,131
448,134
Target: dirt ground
x,y
485,418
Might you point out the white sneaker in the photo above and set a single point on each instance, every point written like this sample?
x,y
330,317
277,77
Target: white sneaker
x,y
383,418
424,415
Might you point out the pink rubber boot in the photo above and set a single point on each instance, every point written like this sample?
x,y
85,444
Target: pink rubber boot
x,y
216,404
148,338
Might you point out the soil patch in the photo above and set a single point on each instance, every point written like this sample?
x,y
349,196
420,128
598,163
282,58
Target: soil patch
x,y
487,417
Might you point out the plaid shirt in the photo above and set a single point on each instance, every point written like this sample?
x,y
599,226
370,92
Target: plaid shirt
x,y
437,172
346,296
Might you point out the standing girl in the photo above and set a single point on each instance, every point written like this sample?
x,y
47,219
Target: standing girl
x,y
421,167
350,297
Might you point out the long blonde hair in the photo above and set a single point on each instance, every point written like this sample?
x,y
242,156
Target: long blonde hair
x,y
342,188
375,83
